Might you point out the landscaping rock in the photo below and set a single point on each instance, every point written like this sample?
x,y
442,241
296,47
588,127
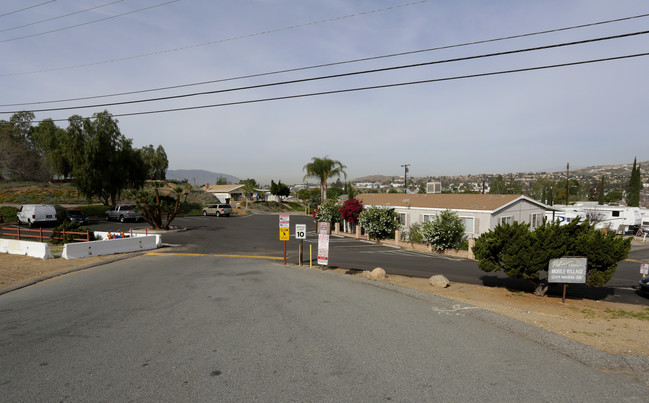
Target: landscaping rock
x,y
377,274
439,281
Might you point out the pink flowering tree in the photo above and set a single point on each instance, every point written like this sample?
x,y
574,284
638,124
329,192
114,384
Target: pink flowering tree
x,y
350,211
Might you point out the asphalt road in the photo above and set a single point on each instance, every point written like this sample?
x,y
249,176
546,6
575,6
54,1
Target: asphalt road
x,y
258,235
207,328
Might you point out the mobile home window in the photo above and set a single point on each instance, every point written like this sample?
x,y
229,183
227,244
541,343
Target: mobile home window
x,y
536,220
429,217
469,224
402,218
616,213
506,220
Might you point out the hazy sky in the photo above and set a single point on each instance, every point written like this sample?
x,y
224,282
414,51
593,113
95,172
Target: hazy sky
x,y
587,114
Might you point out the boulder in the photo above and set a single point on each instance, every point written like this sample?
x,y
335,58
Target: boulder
x,y
377,274
439,281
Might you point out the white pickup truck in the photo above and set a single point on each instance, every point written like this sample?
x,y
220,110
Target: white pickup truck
x,y
122,213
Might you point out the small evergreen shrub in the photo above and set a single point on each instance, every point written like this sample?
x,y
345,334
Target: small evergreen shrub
x,y
58,237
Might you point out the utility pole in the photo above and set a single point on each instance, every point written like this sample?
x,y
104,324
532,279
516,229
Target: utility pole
x,y
405,177
567,180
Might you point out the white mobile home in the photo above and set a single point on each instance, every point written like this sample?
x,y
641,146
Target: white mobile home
x,y
479,212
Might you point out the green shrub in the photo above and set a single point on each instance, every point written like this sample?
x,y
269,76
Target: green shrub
x,y
445,232
57,233
8,214
191,209
379,223
94,210
413,234
328,211
523,253
294,205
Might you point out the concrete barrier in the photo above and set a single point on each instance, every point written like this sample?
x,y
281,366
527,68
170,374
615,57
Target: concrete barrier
x,y
109,247
101,235
26,248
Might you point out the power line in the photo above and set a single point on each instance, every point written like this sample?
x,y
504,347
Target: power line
x,y
60,16
348,74
27,8
382,86
322,65
88,22
218,41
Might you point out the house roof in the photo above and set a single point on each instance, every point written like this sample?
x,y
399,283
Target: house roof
x,y
455,201
222,188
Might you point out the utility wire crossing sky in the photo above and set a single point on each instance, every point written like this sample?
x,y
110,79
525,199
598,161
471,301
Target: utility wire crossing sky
x,y
460,88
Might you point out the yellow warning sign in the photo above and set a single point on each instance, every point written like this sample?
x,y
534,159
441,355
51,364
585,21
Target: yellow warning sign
x,y
284,234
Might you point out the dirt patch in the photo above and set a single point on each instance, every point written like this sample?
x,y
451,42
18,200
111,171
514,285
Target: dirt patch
x,y
17,269
611,327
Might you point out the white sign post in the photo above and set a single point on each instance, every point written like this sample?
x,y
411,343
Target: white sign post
x,y
323,243
323,249
644,269
300,231
284,220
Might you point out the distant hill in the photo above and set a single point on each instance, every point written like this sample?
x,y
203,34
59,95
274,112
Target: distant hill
x,y
611,171
377,178
199,177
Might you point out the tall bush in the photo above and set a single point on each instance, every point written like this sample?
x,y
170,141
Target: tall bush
x,y
446,231
351,210
525,254
327,211
378,222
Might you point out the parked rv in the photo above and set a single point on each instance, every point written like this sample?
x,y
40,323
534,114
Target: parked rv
x,y
37,214
621,219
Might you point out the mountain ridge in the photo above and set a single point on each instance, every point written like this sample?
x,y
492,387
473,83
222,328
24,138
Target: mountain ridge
x,y
199,176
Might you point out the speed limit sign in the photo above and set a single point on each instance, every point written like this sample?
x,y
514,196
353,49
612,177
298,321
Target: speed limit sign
x,y
300,231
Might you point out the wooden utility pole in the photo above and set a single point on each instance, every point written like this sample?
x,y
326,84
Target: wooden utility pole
x,y
405,177
567,180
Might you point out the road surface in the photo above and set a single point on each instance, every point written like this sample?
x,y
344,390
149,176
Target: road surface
x,y
207,328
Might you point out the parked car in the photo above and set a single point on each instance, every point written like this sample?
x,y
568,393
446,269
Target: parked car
x,y
36,214
644,285
123,213
218,210
72,216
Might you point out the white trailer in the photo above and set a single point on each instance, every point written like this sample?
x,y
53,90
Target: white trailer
x,y
621,219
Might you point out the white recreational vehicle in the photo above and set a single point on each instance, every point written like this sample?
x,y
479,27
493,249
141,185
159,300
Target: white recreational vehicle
x,y
621,219
564,215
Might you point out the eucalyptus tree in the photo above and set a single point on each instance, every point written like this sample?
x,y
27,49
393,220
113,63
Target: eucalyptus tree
x,y
104,161
156,162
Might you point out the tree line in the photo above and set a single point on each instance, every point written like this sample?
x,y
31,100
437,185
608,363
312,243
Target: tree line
x,y
92,152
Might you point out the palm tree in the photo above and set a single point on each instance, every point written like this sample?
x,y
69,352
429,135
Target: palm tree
x,y
249,187
323,169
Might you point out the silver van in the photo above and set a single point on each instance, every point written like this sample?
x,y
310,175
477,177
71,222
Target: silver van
x,y
218,210
37,214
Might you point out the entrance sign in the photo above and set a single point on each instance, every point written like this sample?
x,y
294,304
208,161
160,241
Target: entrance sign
x,y
567,270
323,249
300,231
284,234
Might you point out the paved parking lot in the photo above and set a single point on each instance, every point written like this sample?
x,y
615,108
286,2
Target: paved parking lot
x,y
258,235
